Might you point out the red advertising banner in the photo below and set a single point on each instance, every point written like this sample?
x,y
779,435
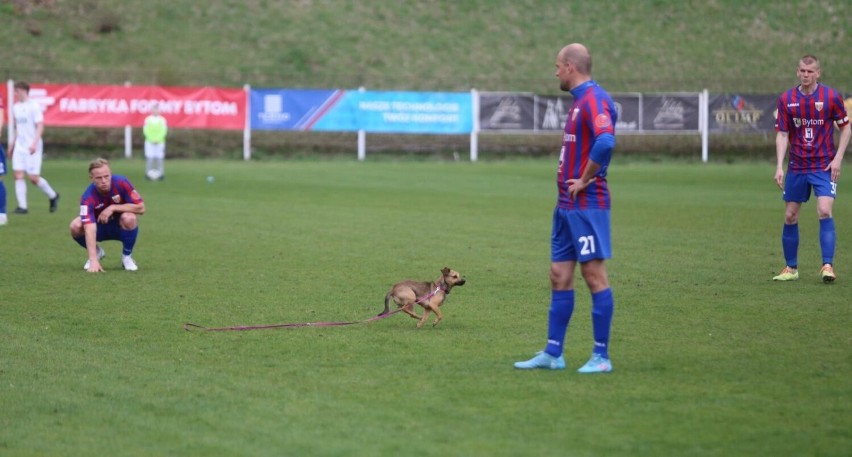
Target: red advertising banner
x,y
74,105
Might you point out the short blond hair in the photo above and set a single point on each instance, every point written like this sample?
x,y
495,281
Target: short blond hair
x,y
810,60
97,163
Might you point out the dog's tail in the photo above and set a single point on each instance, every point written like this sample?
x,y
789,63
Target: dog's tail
x,y
387,308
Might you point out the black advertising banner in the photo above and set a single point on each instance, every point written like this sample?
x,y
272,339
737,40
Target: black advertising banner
x,y
629,111
670,112
551,112
506,111
742,113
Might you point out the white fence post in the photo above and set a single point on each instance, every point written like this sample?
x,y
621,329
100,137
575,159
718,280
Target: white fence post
x,y
474,131
128,135
247,128
10,126
704,121
362,139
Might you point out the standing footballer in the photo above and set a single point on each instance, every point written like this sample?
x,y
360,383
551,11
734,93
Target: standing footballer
x,y
806,117
581,220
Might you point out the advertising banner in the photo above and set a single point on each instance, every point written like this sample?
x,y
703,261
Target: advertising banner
x,y
551,112
371,111
506,111
742,113
400,112
629,109
118,106
290,109
670,112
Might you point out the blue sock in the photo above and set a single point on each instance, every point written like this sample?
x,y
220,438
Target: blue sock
x,y
2,197
81,241
602,309
790,243
128,240
561,308
827,237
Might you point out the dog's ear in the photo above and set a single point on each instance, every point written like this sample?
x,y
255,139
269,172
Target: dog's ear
x,y
445,270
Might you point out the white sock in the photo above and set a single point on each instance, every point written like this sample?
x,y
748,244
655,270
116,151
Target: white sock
x,y
21,193
45,187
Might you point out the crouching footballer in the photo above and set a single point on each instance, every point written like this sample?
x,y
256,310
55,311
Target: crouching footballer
x,y
109,210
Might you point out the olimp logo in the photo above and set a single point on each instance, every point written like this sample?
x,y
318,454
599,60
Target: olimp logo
x,y
737,114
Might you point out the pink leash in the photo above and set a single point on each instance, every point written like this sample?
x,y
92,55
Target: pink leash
x,y
189,326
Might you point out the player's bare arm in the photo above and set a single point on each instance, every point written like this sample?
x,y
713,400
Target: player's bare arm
x,y
834,166
112,210
91,231
39,132
782,140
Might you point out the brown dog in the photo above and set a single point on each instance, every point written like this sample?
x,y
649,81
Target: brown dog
x,y
429,295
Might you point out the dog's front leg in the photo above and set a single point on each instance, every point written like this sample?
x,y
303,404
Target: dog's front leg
x,y
438,315
426,311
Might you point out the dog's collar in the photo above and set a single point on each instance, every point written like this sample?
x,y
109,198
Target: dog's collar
x,y
441,286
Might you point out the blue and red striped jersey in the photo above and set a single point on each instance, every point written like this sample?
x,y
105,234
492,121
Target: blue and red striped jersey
x,y
92,202
592,114
809,122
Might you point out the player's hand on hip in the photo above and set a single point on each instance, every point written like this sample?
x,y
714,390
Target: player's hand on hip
x,y
575,186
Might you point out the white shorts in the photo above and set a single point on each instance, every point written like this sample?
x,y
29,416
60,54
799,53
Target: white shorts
x,y
155,150
22,160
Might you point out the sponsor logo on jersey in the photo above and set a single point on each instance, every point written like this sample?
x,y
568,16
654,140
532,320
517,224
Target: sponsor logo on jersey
x,y
808,122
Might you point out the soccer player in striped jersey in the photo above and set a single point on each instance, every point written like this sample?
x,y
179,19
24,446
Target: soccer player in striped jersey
x,y
807,114
581,219
3,218
108,211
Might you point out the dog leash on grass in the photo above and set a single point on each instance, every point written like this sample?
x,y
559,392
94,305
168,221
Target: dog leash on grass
x,y
189,326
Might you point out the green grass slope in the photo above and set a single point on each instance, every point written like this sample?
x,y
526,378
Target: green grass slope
x,y
649,45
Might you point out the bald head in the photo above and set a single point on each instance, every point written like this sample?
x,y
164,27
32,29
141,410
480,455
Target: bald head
x,y
577,55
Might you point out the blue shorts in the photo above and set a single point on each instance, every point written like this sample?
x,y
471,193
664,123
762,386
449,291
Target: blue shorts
x,y
797,186
580,235
109,231
2,161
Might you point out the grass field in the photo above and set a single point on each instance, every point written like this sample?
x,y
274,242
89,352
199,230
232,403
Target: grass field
x,y
712,358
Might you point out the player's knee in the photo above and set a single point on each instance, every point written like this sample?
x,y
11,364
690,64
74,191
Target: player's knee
x,y
76,227
594,273
791,217
128,221
561,278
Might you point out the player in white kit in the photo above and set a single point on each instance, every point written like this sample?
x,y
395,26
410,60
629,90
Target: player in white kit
x,y
27,148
